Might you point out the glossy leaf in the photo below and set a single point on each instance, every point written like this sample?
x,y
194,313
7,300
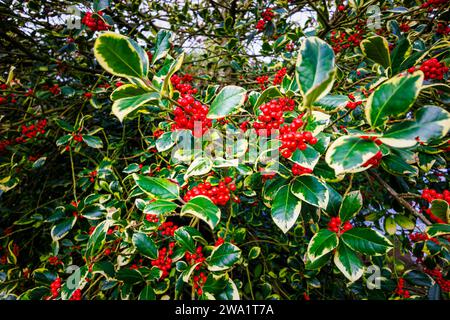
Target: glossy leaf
x,y
314,69
227,100
204,209
158,188
285,208
393,98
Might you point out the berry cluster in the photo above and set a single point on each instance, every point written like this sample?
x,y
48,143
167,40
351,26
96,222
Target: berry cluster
x,y
374,139
279,76
87,95
272,115
198,282
55,90
335,225
164,261
219,241
341,7
94,21
188,113
291,139
31,131
433,3
289,46
27,132
54,261
152,218
267,16
54,287
92,175
439,278
400,289
158,133
298,170
197,258
419,237
352,104
374,161
262,81
182,84
168,228
341,41
442,29
219,194
404,27
430,194
189,110
432,69
76,295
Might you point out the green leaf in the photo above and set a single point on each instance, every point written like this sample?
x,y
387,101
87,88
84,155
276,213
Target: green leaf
x,y
377,49
401,50
314,69
307,158
184,239
147,293
318,263
64,125
204,209
418,278
198,167
331,102
268,94
93,142
158,188
348,263
145,245
165,142
395,165
97,239
390,226
123,107
440,209
349,153
159,207
129,276
310,189
60,230
366,241
438,229
227,100
126,91
93,212
118,55
162,45
100,5
404,222
174,67
223,257
393,98
63,140
351,205
36,293
431,123
285,208
322,243
254,253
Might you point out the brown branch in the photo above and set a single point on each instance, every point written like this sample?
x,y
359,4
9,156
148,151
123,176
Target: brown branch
x,y
399,199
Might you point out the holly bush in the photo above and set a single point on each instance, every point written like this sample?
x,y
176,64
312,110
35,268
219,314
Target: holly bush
x,y
224,150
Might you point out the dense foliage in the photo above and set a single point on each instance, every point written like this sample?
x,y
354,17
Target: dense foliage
x,y
101,198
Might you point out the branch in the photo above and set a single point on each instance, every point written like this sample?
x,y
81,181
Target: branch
x,y
399,199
